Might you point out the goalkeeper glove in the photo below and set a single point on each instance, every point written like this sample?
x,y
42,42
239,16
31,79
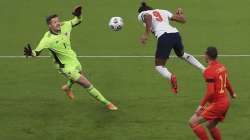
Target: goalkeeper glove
x,y
27,50
77,11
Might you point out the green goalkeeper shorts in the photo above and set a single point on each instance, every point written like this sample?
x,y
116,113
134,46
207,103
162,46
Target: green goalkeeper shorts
x,y
71,71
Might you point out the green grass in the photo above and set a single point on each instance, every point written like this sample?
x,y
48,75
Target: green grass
x,y
33,107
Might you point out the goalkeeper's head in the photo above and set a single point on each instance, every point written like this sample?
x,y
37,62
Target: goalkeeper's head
x,y
54,23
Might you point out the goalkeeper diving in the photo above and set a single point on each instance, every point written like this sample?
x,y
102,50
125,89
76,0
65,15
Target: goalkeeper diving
x,y
57,41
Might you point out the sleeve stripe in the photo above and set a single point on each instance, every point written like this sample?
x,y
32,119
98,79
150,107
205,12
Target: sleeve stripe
x,y
142,17
74,25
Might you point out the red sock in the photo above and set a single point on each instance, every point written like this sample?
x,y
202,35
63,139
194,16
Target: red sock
x,y
200,132
215,132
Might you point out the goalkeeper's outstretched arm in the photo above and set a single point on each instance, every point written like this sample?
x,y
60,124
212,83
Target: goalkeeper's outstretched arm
x,y
77,12
36,52
29,52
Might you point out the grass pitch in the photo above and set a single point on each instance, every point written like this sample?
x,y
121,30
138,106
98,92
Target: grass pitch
x,y
33,107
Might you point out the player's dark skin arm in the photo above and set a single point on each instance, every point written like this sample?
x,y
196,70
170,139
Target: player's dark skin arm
x,y
179,16
148,22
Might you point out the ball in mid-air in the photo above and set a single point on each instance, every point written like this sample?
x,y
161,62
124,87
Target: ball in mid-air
x,y
116,23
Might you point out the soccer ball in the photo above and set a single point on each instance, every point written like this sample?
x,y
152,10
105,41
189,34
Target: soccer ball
x,y
116,23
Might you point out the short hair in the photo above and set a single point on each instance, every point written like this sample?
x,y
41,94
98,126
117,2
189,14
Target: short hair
x,y
144,7
212,52
48,19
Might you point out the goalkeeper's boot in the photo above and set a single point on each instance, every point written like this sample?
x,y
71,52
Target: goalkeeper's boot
x,y
112,107
68,91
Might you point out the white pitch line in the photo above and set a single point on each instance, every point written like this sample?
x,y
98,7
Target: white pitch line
x,y
148,56
125,56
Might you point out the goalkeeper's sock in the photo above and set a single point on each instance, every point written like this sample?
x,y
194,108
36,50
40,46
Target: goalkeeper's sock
x,y
97,95
70,84
193,61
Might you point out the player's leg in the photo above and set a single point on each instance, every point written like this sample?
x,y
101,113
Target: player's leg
x,y
179,51
84,82
216,115
160,67
164,46
193,61
195,123
214,131
67,88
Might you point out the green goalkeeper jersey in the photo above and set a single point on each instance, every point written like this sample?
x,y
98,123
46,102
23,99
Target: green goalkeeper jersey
x,y
59,44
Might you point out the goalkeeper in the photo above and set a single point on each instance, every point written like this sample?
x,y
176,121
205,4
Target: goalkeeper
x,y
57,41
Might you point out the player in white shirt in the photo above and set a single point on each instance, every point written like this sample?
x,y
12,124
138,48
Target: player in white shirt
x,y
157,22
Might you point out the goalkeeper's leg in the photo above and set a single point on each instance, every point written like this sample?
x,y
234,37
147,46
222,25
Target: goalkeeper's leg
x,y
84,82
67,88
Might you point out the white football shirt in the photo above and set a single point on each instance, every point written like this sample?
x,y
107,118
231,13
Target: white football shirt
x,y
160,21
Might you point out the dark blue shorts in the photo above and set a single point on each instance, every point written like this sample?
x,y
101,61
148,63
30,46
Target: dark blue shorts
x,y
166,43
